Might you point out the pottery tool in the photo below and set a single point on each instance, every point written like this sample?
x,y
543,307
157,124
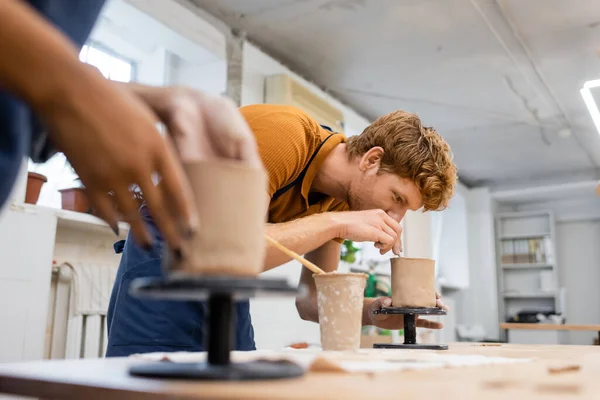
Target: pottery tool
x,y
220,294
410,327
295,256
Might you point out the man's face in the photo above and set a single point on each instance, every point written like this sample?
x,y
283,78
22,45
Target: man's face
x,y
386,191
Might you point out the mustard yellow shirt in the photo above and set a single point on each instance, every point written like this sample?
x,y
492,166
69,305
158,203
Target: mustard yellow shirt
x,y
290,142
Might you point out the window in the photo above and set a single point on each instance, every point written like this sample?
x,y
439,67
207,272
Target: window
x,y
58,170
110,65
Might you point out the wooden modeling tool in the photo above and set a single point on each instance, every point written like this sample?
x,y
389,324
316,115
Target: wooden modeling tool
x,y
295,256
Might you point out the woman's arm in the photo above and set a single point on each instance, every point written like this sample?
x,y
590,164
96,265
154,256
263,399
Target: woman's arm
x,y
38,63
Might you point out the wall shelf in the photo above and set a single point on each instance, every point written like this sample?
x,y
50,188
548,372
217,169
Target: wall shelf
x,y
532,235
73,220
530,295
527,266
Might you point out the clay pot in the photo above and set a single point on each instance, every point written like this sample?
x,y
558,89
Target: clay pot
x,y
75,199
232,207
413,282
35,182
340,299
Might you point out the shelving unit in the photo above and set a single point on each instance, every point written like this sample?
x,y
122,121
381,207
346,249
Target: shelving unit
x,y
530,295
526,264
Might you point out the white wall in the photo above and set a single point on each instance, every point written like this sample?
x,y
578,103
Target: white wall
x,y
24,281
578,254
210,77
258,65
451,242
478,304
576,208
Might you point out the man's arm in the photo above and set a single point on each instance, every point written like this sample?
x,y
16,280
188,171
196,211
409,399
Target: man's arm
x,y
327,257
309,233
302,235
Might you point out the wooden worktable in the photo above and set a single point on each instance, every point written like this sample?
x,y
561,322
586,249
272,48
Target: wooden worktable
x,y
550,327
108,379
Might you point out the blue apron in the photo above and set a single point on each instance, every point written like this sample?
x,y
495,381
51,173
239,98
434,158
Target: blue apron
x,y
142,325
21,133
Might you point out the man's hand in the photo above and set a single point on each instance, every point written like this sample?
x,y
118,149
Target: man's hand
x,y
397,321
370,226
203,126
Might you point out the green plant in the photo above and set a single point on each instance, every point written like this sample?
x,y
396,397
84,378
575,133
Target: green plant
x,y
348,253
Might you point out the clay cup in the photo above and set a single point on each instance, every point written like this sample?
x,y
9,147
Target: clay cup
x,y
413,282
232,206
340,304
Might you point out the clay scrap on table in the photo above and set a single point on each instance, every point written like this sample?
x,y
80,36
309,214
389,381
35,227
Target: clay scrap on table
x,y
413,282
555,388
564,369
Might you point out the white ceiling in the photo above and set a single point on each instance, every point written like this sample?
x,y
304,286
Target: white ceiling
x,y
499,79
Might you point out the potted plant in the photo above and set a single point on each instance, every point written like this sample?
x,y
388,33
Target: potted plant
x,y
348,252
75,199
35,182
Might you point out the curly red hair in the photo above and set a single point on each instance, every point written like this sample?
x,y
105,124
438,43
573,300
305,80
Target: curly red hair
x,y
412,151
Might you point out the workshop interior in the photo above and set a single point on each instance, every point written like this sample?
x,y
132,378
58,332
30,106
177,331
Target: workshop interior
x,y
508,270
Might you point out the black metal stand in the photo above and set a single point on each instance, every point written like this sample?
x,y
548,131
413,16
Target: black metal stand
x,y
410,328
220,293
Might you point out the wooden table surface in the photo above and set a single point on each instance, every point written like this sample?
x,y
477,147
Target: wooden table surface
x,y
549,327
109,379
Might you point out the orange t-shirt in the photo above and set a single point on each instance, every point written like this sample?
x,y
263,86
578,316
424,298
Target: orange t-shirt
x,y
291,143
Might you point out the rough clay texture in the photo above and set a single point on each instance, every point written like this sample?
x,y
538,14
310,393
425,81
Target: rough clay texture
x,y
340,303
413,282
230,199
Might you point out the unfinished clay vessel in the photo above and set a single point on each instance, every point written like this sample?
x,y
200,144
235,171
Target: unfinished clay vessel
x,y
340,304
413,282
232,206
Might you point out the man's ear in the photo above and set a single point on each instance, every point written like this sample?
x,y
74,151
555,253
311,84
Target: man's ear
x,y
371,159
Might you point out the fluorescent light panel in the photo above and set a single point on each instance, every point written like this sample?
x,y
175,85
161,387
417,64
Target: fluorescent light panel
x,y
588,98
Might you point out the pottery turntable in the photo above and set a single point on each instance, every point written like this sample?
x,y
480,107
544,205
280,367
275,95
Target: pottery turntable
x,y
220,293
410,327
222,266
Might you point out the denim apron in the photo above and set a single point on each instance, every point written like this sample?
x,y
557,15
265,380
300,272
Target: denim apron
x,y
137,325
21,133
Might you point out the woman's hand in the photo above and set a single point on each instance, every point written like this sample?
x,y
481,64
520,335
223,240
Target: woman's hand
x,y
203,126
111,139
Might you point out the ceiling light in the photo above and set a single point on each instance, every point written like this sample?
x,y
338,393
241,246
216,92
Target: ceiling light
x,y
592,107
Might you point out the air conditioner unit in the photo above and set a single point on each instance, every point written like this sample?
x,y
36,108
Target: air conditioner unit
x,y
283,89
